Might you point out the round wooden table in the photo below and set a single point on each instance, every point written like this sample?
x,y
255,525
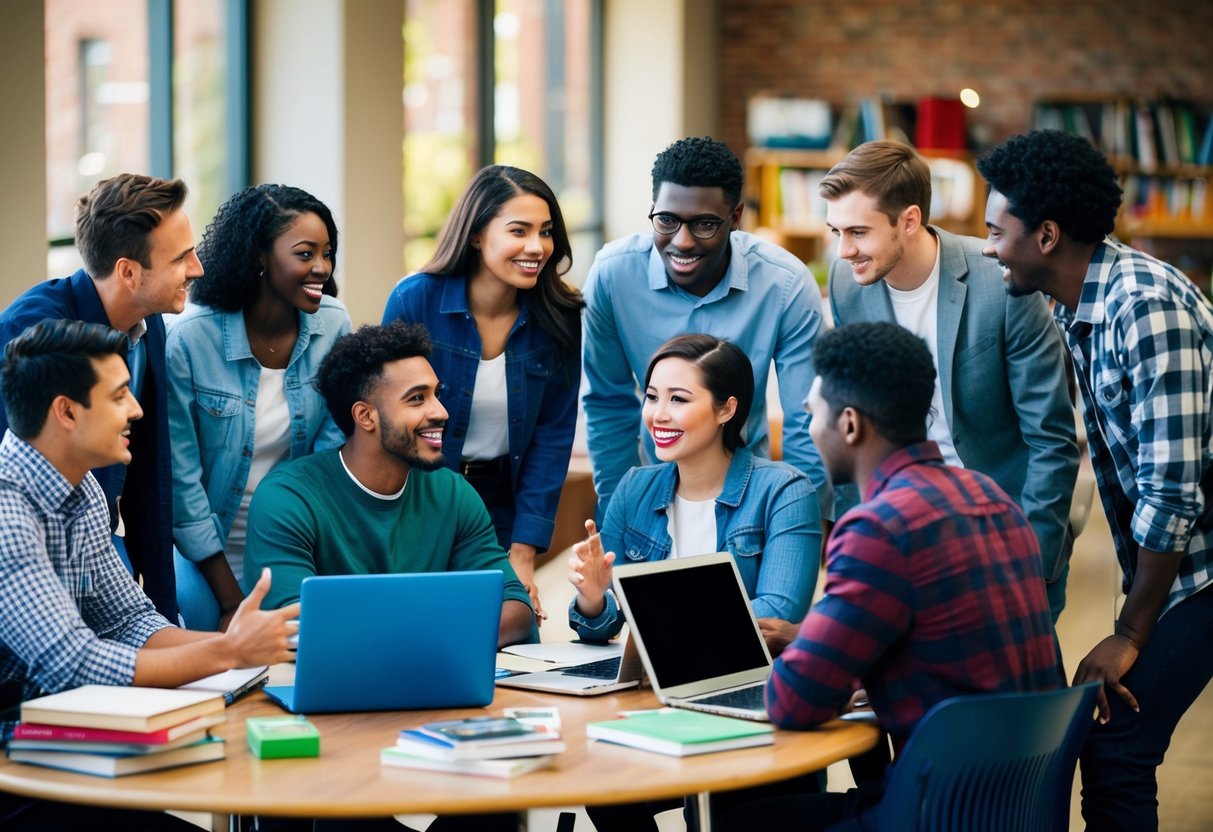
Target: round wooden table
x,y
347,779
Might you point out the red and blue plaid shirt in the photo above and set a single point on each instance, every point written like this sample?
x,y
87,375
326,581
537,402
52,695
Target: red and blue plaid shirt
x,y
933,590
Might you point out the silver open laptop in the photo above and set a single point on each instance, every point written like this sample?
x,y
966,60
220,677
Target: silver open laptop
x,y
588,679
696,633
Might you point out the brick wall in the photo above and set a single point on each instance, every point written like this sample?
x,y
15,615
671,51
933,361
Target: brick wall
x,y
1011,52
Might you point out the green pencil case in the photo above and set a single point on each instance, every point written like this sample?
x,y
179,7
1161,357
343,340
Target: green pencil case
x,y
278,737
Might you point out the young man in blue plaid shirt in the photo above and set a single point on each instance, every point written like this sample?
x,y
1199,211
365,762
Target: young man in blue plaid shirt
x,y
71,614
1141,336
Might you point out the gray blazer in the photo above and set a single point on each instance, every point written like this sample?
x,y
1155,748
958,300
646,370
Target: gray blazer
x,y
1002,372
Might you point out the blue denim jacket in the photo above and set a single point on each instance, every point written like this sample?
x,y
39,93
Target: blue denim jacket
x,y
213,379
767,516
542,398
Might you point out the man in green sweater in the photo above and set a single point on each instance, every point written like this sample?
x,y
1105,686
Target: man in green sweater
x,y
383,502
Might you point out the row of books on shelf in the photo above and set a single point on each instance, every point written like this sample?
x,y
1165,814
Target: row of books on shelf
x,y
930,123
1146,134
953,186
1168,199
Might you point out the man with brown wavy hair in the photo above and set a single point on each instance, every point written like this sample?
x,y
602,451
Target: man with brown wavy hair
x,y
138,251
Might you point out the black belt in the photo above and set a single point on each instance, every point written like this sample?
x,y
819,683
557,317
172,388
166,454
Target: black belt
x,y
481,468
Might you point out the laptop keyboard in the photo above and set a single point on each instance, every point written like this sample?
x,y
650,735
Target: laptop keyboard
x,y
601,669
750,698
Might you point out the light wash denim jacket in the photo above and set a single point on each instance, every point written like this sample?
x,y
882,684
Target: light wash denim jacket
x,y
213,380
767,516
541,398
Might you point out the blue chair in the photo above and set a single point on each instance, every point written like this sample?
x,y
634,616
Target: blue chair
x,y
1001,762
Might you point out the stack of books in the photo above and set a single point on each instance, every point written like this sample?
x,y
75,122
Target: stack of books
x,y
486,746
112,731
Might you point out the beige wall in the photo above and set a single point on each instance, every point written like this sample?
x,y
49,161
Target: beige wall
x,y
22,149
327,118
652,49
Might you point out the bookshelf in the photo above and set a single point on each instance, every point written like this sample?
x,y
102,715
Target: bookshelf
x,y
1163,152
781,190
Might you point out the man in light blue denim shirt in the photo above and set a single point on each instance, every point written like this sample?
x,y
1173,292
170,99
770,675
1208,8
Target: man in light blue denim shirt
x,y
696,273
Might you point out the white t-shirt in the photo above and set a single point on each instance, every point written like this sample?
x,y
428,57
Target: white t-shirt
x,y
271,445
918,311
692,527
488,428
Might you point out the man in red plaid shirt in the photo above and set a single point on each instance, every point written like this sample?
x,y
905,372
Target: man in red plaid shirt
x,y
933,585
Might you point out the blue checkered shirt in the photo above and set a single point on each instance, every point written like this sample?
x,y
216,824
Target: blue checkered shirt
x,y
1142,341
70,613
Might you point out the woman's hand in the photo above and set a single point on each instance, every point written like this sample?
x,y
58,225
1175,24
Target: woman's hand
x,y
590,572
522,558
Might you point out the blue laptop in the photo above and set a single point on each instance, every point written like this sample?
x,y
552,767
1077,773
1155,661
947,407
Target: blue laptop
x,y
395,642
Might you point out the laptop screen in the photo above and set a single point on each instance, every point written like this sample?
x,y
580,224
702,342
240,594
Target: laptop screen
x,y
696,623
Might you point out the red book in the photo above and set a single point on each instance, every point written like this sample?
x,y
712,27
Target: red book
x,y
941,124
33,731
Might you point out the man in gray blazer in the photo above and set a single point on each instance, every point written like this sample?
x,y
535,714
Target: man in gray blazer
x,y
1002,404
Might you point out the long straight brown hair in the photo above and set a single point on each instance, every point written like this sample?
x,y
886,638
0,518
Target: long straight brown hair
x,y
555,305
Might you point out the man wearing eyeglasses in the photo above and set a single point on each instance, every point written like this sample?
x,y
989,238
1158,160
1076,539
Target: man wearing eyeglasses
x,y
696,273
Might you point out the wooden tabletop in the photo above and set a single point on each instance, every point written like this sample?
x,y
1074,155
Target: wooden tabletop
x,y
347,780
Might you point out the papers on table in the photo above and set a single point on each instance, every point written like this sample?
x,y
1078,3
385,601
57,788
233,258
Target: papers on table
x,y
557,654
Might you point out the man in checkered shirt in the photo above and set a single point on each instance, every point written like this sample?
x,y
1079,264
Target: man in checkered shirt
x,y
71,614
1141,336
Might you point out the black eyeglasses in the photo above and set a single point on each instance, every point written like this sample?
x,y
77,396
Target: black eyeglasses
x,y
703,228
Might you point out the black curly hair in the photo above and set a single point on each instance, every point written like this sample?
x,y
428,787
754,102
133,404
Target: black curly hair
x,y
51,359
352,368
555,305
882,370
1052,175
699,163
242,233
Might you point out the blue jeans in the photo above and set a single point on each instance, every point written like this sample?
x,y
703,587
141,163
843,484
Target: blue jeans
x,y
1118,762
195,600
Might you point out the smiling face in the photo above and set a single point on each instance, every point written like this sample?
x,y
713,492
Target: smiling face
x,y
517,242
866,239
163,285
103,428
299,263
411,419
680,414
1015,248
694,264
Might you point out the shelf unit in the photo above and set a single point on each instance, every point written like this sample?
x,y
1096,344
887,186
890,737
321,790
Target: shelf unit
x,y
781,192
1162,152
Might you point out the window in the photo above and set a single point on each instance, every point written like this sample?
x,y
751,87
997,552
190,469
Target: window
x,y
513,82
144,86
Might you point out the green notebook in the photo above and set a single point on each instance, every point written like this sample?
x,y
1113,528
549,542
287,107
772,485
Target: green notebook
x,y
682,733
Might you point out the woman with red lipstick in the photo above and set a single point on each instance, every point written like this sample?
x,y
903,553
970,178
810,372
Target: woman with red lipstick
x,y
507,339
708,494
241,362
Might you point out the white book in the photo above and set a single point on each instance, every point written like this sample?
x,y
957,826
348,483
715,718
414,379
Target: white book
x,y
421,745
121,708
504,769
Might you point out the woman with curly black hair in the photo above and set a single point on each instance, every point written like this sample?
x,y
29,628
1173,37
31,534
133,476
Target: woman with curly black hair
x,y
507,340
241,363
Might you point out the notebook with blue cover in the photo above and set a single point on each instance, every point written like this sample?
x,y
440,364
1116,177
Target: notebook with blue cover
x,y
395,642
